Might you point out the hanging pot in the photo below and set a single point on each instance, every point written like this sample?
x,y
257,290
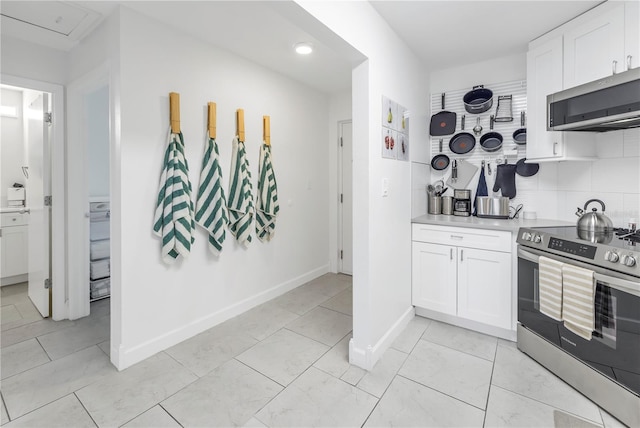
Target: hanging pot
x,y
478,100
594,221
462,142
524,169
440,161
491,141
520,135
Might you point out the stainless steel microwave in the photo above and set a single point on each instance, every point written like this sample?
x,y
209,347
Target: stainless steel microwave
x,y
607,104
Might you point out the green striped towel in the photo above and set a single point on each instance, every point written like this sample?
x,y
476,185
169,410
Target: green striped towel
x,y
173,220
267,206
211,205
240,203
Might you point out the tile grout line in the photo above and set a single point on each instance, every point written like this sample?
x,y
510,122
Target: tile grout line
x,y
493,368
84,407
440,392
6,409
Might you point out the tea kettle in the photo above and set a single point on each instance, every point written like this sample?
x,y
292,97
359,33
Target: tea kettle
x,y
594,221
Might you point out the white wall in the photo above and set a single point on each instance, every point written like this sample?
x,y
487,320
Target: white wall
x,y
11,144
32,61
163,305
97,123
382,227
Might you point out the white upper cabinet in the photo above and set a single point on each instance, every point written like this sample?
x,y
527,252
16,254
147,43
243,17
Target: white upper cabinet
x,y
632,34
595,48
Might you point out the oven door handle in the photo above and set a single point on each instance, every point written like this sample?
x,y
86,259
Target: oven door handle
x,y
624,285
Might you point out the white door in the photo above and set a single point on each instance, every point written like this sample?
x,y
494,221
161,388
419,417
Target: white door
x,y
38,186
433,277
345,263
484,286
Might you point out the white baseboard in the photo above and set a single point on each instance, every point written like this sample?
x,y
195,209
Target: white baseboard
x,y
368,356
468,324
123,357
16,279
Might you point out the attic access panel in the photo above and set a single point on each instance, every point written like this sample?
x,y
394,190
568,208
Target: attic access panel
x,y
55,16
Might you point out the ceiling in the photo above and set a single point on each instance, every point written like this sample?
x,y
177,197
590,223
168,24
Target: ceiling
x,y
442,34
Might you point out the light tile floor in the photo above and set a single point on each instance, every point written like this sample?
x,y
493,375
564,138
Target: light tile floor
x,y
283,363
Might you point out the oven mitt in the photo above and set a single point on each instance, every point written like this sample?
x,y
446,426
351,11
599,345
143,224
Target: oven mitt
x,y
506,180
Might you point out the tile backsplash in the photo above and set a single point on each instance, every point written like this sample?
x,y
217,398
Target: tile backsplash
x,y
560,187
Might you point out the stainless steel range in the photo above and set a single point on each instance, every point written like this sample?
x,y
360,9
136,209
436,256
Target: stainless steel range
x,y
605,367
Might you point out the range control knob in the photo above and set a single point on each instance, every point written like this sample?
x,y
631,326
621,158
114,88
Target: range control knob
x,y
612,256
537,239
629,261
526,236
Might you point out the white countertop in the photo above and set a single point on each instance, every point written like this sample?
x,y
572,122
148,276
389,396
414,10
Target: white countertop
x,y
487,223
20,210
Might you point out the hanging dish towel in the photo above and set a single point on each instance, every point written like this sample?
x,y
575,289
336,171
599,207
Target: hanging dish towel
x,y
173,220
550,281
240,202
481,190
578,294
267,206
211,205
506,180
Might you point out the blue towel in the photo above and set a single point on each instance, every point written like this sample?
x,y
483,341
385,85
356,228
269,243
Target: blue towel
x,y
481,190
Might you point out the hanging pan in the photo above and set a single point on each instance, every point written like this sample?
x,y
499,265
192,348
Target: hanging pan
x,y
526,169
478,100
462,142
491,141
440,161
520,134
443,123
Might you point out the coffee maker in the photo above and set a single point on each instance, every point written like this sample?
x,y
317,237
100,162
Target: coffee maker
x,y
462,202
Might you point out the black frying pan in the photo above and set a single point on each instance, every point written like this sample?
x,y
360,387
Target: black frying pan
x,y
443,123
520,135
462,143
491,141
526,169
440,161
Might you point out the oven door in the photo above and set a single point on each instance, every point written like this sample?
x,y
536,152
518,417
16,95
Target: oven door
x,y
614,349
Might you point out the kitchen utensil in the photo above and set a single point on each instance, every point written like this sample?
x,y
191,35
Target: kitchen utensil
x,y
462,122
491,141
440,161
478,100
454,171
462,143
435,205
462,202
477,129
444,122
504,113
524,169
593,222
447,205
482,189
520,134
492,119
492,207
506,180
596,237
465,172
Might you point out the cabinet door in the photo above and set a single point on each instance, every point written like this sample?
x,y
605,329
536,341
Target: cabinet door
x,y
591,48
14,251
544,77
632,34
484,286
434,277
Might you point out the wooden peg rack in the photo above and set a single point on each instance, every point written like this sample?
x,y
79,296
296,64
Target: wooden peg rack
x,y
174,112
211,122
266,130
240,124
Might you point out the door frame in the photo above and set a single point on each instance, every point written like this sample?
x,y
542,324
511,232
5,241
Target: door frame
x,y
59,307
340,188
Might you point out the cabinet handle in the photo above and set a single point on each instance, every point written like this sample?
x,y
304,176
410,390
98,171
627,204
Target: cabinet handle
x,y
461,255
555,151
628,62
451,253
614,65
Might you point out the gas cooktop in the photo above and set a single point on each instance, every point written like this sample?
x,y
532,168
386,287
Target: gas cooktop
x,y
618,251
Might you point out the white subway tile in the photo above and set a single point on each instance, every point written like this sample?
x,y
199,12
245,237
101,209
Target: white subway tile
x,y
631,207
616,175
631,142
609,144
548,176
574,176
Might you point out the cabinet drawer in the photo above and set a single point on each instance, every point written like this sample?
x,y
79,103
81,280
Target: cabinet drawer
x,y
484,239
13,219
99,269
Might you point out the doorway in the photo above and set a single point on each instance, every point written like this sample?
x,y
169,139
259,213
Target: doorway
x,y
345,190
25,196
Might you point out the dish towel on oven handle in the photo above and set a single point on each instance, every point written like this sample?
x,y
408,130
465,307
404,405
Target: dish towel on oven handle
x,y
578,296
550,281
267,206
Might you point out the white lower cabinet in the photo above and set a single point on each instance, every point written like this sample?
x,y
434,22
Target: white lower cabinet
x,y
462,280
14,242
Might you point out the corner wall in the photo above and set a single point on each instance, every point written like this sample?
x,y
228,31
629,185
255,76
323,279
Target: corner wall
x,y
162,305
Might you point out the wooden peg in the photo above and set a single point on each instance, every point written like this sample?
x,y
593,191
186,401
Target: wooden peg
x,y
212,120
174,111
240,124
266,130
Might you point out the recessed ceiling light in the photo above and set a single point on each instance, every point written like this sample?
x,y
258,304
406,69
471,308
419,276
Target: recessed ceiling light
x,y
303,48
